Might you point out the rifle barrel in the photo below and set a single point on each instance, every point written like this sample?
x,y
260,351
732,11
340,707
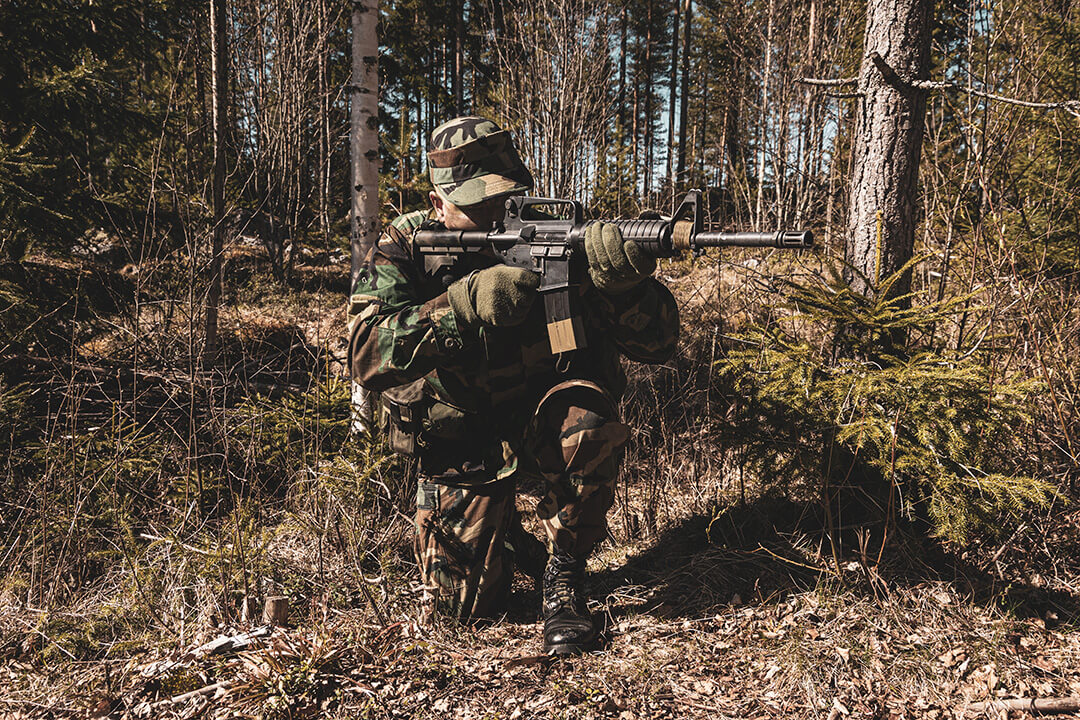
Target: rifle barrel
x,y
783,239
649,233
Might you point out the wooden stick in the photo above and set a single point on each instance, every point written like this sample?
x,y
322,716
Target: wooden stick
x,y
1046,706
249,607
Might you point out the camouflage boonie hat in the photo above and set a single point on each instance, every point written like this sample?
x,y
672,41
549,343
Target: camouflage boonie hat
x,y
472,159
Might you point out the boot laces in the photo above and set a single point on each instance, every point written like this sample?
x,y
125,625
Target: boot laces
x,y
564,581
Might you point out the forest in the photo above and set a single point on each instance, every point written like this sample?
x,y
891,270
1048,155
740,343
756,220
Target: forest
x,y
851,492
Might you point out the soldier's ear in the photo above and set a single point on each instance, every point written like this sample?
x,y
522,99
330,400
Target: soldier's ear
x,y
438,204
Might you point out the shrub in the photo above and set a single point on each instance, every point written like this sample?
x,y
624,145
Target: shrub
x,y
933,422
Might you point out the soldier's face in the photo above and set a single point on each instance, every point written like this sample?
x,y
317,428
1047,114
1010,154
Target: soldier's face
x,y
481,216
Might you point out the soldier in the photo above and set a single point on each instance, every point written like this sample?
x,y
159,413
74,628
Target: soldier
x,y
458,347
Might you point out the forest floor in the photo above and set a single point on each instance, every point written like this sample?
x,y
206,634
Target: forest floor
x,y
736,612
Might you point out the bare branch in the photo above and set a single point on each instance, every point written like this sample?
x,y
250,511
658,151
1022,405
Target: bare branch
x,y
1070,106
826,82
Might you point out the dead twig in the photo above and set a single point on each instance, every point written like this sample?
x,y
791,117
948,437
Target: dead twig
x,y
208,690
827,82
1045,706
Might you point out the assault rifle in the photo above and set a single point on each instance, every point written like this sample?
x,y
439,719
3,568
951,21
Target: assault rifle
x,y
548,236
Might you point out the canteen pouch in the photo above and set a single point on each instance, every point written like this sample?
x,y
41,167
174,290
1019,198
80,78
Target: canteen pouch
x,y
418,423
404,407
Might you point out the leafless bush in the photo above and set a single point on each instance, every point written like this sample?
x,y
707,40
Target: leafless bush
x,y
555,65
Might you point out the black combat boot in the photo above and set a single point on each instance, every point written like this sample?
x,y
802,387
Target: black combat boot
x,y
568,627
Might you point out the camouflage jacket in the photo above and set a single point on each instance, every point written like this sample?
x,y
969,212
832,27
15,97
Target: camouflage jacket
x,y
478,393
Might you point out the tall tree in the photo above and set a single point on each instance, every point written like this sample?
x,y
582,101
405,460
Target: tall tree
x,y
649,69
364,146
672,81
763,129
459,57
888,141
220,78
555,71
684,91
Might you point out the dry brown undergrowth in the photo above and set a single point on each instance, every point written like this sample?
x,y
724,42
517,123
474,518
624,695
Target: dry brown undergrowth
x,y
721,616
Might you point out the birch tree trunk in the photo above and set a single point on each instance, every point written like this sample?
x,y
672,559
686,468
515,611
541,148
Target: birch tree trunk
x,y
364,153
888,142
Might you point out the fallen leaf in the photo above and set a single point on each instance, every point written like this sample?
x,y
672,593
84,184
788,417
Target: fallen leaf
x,y
943,597
704,687
952,657
1044,663
610,706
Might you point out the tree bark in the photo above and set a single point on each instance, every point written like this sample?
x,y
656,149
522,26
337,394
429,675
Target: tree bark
x,y
888,142
364,152
684,93
647,183
459,61
673,80
324,170
219,79
622,72
763,130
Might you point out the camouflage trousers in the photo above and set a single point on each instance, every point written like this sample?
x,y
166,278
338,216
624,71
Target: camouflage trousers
x,y
467,538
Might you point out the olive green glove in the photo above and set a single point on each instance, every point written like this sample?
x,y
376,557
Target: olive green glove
x,y
498,296
615,266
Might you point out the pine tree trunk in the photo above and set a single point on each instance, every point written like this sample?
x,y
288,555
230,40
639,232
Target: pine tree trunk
x,y
219,80
622,73
888,141
763,130
684,93
324,169
881,229
809,151
647,184
673,79
459,63
364,146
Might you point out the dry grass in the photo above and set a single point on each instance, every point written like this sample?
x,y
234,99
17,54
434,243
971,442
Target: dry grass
x,y
717,603
694,629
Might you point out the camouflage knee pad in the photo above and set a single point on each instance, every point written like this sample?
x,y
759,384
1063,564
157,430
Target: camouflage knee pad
x,y
577,441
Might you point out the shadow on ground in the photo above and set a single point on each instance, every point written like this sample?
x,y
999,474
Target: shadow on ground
x,y
762,551
743,555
